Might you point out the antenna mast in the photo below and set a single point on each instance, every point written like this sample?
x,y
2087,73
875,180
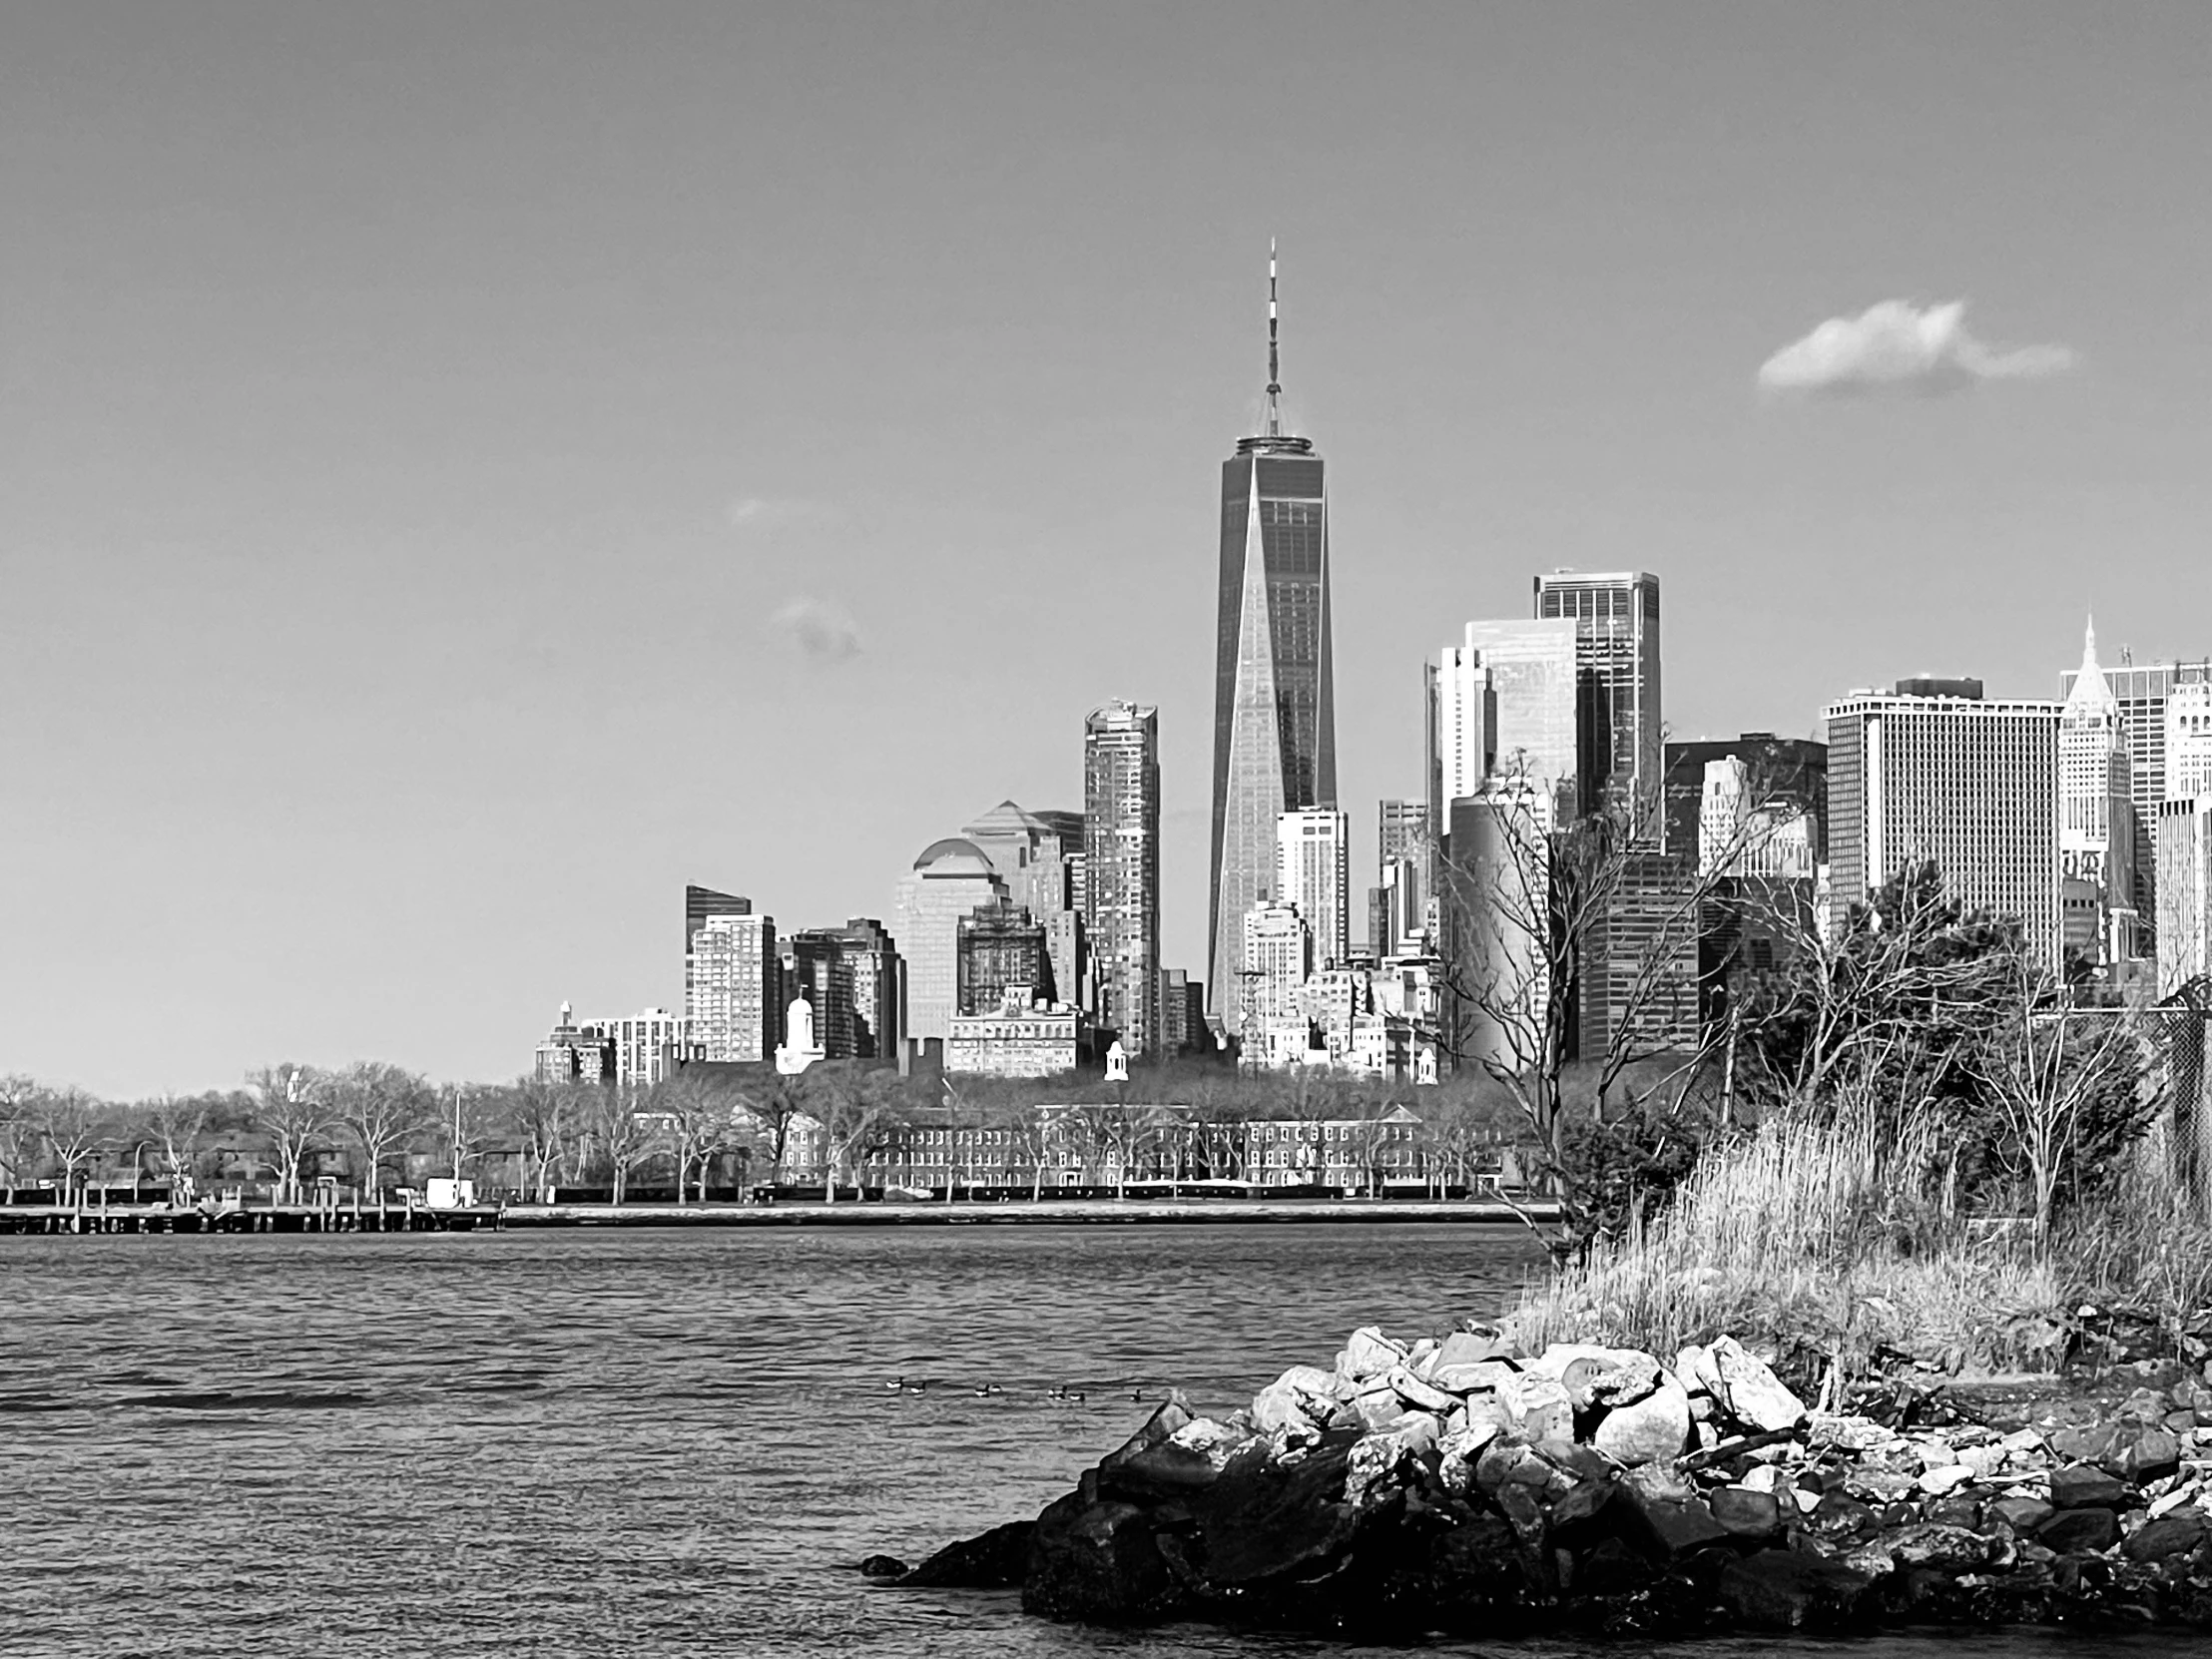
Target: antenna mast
x,y
1274,386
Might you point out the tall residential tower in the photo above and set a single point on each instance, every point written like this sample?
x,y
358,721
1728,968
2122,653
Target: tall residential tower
x,y
1274,707
1121,859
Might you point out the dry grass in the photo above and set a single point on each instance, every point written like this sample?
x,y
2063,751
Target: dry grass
x,y
1825,1243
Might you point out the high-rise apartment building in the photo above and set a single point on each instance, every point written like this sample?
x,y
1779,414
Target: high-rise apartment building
x,y
1274,704
1969,786
1531,666
2184,893
1616,624
1121,870
647,1046
948,880
733,986
1312,871
2096,819
1001,944
700,903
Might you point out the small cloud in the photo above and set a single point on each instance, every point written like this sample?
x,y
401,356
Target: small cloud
x,y
1897,346
761,512
821,629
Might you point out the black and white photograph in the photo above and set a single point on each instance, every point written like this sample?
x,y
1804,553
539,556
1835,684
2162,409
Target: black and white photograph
x,y
1439,774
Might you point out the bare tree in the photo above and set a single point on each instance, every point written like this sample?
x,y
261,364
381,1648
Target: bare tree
x,y
17,1134
547,1117
74,1125
174,1122
290,1112
628,1133
382,1107
854,1109
702,1125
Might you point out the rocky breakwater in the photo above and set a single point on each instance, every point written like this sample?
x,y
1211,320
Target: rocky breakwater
x,y
1454,1485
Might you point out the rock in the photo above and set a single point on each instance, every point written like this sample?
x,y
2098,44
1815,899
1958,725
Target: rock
x,y
883,1567
1504,1463
1278,1405
2170,1536
1481,1410
1938,1481
1745,1513
1369,1354
1947,1548
1537,1407
1650,1430
1381,1465
1639,1376
1415,1391
1378,1408
1961,1509
1098,1564
2079,1486
1749,1388
1848,1433
1475,1377
1783,1590
993,1561
2083,1443
2150,1454
1672,1527
1840,1519
1470,1348
1555,1360
1935,1455
1456,1455
2073,1531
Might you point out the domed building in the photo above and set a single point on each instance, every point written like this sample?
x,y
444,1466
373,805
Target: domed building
x,y
950,878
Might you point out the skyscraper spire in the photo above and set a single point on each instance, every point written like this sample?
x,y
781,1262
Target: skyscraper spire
x,y
2089,643
1275,377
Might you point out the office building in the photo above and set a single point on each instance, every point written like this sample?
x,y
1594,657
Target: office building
x,y
1494,900
733,988
1530,666
1121,872
876,975
1951,780
819,965
1462,720
1275,714
1000,944
1278,953
2143,691
1038,856
1017,1036
2184,894
1638,973
2189,740
1616,642
1744,831
950,878
2096,821
1781,779
1183,1028
1312,871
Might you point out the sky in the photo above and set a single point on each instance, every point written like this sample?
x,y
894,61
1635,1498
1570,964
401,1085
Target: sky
x,y
467,471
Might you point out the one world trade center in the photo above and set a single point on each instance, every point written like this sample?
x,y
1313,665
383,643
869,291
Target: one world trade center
x,y
1275,705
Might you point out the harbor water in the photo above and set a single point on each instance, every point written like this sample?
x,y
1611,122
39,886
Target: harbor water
x,y
643,1443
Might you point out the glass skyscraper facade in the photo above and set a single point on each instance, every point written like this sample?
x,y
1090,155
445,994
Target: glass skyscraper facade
x,y
1275,703
1616,648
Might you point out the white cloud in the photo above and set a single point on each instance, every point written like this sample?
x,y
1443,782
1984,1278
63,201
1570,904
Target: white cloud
x,y
759,513
1899,347
820,628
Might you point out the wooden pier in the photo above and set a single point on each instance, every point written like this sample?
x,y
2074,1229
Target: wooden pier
x,y
351,1217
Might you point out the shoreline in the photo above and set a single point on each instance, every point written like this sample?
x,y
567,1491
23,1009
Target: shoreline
x,y
1105,1212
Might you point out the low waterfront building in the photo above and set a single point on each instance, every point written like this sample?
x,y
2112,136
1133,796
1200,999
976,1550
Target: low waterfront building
x,y
1021,1037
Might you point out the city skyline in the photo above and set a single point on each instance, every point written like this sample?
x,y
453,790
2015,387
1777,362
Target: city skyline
x,y
385,497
